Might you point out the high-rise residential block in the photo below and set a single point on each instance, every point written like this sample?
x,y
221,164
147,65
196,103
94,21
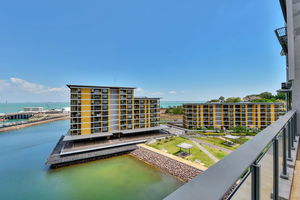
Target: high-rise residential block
x,y
228,115
103,109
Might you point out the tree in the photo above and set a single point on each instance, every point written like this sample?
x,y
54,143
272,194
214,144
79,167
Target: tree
x,y
266,95
213,100
264,100
280,96
251,97
221,98
233,100
177,110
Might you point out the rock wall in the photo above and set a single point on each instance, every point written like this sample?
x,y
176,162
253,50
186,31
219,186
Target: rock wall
x,y
183,171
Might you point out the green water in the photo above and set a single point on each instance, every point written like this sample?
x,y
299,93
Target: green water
x,y
23,174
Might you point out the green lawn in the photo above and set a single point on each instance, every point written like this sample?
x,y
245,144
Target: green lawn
x,y
240,140
216,152
170,146
218,142
211,134
243,134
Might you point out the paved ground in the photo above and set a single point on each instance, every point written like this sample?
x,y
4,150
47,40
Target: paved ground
x,y
176,131
195,141
295,194
187,162
214,146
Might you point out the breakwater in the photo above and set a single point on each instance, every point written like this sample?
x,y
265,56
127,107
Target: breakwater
x,y
24,124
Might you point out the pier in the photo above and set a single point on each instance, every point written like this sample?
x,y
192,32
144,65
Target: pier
x,y
18,115
71,152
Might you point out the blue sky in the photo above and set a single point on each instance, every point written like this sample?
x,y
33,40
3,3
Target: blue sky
x,y
179,50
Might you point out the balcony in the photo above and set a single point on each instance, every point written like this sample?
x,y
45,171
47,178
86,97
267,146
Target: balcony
x,y
281,34
262,168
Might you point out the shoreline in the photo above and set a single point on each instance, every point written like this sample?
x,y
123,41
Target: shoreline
x,y
16,127
184,171
180,168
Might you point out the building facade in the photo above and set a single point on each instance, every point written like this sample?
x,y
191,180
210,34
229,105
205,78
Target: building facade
x,y
99,109
146,112
228,115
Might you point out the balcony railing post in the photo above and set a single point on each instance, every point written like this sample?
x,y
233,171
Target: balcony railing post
x,y
289,141
275,170
284,174
255,182
292,132
295,126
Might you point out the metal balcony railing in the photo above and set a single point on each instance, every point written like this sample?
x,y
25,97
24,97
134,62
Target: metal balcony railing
x,y
256,170
281,34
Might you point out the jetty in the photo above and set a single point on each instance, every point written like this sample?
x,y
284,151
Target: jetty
x,y
18,115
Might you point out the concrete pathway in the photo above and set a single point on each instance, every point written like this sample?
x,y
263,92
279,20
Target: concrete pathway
x,y
214,146
187,162
205,151
295,194
296,182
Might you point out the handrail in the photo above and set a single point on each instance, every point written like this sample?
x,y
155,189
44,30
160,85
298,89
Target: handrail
x,y
218,179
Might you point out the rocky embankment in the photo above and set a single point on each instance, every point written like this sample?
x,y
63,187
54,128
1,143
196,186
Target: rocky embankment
x,y
183,171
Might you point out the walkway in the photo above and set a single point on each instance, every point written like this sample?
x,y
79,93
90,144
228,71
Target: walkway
x,y
295,194
187,162
205,150
214,146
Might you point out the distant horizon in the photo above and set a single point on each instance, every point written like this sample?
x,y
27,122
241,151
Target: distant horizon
x,y
69,102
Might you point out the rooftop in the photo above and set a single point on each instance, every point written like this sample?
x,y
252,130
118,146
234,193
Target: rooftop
x,y
222,103
184,145
144,97
92,86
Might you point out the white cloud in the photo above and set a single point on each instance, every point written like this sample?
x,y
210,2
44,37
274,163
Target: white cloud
x,y
4,84
139,91
172,92
156,93
34,87
20,90
142,92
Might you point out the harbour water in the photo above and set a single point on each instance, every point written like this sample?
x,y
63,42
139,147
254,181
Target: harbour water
x,y
23,174
16,107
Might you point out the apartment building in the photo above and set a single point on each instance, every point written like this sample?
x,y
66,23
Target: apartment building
x,y
103,109
228,115
146,112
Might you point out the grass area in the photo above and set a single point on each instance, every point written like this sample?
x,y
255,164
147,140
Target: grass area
x,y
240,140
167,117
216,152
211,134
170,146
243,134
218,142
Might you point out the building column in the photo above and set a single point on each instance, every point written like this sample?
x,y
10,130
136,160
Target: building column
x,y
293,30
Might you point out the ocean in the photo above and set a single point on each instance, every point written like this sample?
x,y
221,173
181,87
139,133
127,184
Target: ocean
x,y
16,107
